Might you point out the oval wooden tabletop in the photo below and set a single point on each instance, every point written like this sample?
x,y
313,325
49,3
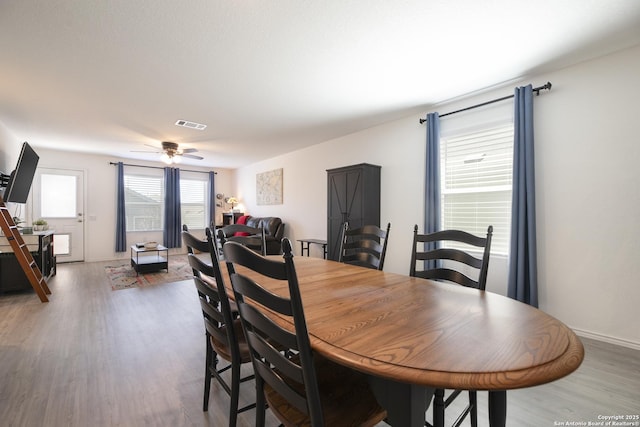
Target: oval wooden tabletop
x,y
423,332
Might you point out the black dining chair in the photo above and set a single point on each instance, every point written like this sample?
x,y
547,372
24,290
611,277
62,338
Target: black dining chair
x,y
448,254
224,335
365,246
252,237
301,387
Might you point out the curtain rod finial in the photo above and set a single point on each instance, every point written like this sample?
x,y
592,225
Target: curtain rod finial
x,y
546,86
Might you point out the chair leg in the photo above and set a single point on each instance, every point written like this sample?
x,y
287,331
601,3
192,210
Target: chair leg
x,y
438,408
260,402
473,404
235,394
207,374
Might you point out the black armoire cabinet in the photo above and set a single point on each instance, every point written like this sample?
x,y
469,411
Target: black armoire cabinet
x,y
353,195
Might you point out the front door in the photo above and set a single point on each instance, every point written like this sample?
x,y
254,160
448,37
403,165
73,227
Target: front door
x,y
58,198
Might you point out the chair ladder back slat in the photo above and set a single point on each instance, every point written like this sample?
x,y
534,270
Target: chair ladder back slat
x,y
439,254
290,394
251,237
368,239
451,255
450,275
266,327
267,352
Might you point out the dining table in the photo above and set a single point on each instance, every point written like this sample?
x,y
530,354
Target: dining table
x,y
411,336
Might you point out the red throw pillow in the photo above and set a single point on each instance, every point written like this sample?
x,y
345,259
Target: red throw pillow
x,y
242,220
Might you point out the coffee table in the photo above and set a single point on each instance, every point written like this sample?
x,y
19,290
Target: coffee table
x,y
149,260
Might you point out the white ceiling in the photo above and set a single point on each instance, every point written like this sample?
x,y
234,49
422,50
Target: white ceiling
x,y
268,77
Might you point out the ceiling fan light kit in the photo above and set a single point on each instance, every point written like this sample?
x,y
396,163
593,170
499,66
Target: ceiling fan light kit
x,y
171,152
169,159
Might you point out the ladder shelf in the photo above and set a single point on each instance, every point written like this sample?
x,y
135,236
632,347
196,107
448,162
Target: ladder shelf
x,y
21,251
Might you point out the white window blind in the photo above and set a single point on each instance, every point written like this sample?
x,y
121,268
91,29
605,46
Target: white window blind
x,y
144,199
476,181
193,203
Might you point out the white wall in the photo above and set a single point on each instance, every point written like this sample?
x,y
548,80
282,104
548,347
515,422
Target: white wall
x,y
10,147
9,150
589,200
588,203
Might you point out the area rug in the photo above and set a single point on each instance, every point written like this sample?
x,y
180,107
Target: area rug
x,y
124,276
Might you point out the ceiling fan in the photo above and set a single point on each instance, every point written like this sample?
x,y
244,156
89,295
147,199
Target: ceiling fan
x,y
171,153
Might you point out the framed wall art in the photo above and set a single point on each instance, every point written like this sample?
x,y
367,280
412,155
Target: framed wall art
x,y
269,187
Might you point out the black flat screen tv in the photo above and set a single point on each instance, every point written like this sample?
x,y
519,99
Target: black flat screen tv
x,y
21,178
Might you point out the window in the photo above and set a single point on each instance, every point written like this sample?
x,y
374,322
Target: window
x,y
476,180
144,197
193,200
144,201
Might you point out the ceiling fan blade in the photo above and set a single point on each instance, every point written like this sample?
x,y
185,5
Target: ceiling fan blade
x,y
156,149
191,156
189,150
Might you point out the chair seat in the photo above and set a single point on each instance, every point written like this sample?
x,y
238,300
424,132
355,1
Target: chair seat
x,y
223,350
347,399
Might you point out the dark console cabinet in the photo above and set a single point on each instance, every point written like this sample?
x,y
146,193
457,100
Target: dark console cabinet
x,y
353,195
12,277
231,217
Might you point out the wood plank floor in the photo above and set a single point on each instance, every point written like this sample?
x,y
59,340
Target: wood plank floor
x,y
135,357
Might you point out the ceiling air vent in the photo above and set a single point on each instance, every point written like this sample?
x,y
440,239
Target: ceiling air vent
x,y
191,125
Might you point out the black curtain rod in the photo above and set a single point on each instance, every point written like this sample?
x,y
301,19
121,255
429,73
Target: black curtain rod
x,y
537,90
158,167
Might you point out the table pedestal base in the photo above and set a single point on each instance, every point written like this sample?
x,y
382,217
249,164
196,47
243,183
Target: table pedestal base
x,y
406,404
497,408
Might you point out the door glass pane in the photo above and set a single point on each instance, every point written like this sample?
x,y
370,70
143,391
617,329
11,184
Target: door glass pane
x,y
58,196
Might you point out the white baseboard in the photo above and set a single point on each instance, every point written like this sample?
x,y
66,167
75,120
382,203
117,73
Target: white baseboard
x,y
608,339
